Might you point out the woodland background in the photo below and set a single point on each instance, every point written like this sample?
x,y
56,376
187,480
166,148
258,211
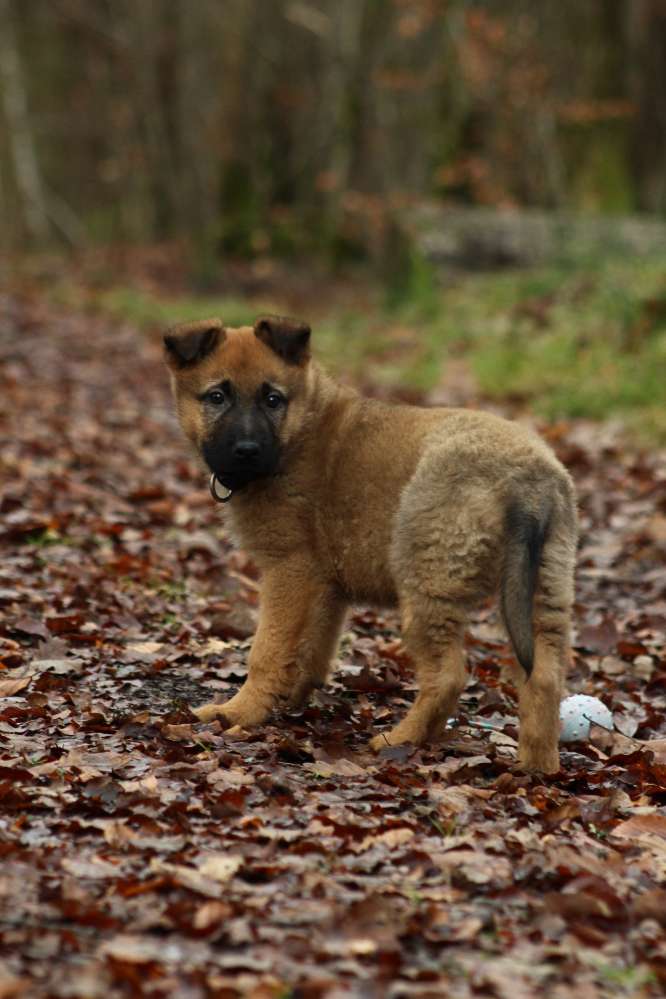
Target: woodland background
x,y
424,179
468,202
244,126
248,126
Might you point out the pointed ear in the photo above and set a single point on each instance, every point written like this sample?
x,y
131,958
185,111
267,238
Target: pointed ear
x,y
188,343
288,338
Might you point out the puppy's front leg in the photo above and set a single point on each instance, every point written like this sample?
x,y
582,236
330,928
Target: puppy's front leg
x,y
299,625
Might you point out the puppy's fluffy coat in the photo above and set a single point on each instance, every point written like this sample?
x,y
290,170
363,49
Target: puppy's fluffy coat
x,y
343,499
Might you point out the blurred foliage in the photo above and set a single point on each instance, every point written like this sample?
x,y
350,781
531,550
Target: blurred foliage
x,y
311,136
292,127
567,341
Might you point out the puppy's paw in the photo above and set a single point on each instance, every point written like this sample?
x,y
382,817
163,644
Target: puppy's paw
x,y
545,761
207,712
236,732
247,709
379,742
412,729
299,698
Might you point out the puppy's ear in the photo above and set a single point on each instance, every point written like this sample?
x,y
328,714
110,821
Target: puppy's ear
x,y
288,338
188,343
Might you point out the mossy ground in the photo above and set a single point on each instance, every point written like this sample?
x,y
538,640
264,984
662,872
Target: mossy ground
x,y
568,341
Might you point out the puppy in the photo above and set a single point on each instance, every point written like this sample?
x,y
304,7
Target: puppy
x,y
341,499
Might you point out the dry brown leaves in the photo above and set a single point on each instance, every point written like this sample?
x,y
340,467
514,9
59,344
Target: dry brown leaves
x,y
144,853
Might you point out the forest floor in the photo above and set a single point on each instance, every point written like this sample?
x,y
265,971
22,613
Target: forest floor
x,y
147,854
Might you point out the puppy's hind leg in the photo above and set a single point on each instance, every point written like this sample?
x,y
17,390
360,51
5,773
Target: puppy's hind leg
x,y
537,595
541,692
539,709
433,634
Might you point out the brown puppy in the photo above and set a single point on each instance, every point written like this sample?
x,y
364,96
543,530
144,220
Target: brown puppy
x,y
341,499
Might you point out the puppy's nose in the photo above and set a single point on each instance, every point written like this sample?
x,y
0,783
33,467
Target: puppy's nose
x,y
246,450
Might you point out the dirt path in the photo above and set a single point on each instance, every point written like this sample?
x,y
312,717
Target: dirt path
x,y
146,854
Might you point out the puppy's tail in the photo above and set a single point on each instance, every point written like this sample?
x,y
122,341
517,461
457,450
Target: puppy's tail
x,y
525,536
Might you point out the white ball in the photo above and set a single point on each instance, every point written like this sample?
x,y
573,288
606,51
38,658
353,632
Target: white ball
x,y
580,711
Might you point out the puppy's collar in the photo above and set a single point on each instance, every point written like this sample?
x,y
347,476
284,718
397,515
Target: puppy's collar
x,y
218,497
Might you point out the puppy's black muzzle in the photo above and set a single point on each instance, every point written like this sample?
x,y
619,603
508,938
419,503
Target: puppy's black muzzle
x,y
246,452
237,463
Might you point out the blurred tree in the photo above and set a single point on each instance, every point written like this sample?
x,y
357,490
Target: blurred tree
x,y
26,174
295,126
646,30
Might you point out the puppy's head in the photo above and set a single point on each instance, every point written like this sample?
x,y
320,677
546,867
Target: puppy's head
x,y
241,394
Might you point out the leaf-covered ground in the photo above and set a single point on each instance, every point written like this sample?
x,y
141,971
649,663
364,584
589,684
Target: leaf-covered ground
x,y
144,853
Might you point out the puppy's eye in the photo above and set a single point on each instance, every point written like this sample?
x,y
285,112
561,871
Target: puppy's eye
x,y
274,400
216,397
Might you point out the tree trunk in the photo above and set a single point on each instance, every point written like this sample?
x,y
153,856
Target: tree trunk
x,y
21,142
647,87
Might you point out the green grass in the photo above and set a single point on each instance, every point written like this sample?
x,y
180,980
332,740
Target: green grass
x,y
590,344
627,980
146,309
570,341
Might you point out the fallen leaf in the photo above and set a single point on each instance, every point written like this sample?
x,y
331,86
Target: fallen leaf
x,y
145,648
641,825
391,839
178,733
95,868
140,950
188,877
220,867
10,687
336,768
210,914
